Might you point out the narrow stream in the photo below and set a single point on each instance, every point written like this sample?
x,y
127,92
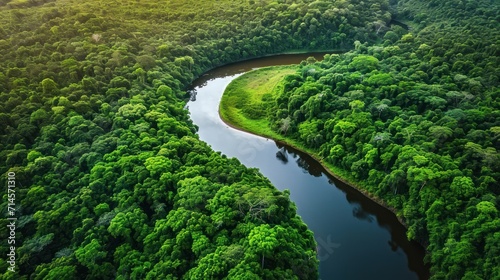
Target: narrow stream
x,y
357,238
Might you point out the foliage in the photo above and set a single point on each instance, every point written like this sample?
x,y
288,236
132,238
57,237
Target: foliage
x,y
114,182
414,121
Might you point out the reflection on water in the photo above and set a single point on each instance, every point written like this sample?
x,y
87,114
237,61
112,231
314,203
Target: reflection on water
x,y
306,162
356,237
282,155
361,214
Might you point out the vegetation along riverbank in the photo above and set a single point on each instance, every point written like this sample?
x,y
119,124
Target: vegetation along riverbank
x,y
248,100
112,181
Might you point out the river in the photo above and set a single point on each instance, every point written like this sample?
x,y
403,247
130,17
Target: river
x,y
357,238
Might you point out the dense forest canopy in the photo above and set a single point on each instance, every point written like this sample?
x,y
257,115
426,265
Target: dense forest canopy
x,y
112,180
415,120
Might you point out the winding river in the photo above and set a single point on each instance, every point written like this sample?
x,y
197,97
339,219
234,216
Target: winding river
x,y
357,238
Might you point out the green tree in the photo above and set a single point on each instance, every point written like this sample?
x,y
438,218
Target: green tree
x,y
344,127
364,63
463,187
49,87
262,240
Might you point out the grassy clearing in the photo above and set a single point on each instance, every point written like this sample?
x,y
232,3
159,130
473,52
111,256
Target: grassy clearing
x,y
247,98
244,103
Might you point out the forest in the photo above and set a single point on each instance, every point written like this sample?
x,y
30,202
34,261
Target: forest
x,y
114,183
413,119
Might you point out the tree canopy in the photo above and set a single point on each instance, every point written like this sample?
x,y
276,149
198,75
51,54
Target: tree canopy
x,y
115,184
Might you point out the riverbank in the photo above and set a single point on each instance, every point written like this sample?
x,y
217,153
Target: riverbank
x,y
253,90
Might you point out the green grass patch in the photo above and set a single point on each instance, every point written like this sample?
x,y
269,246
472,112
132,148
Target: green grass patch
x,y
247,98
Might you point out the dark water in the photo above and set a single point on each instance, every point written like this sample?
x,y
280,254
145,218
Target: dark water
x,y
357,238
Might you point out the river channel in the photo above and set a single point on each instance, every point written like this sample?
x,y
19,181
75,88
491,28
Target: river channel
x,y
357,238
